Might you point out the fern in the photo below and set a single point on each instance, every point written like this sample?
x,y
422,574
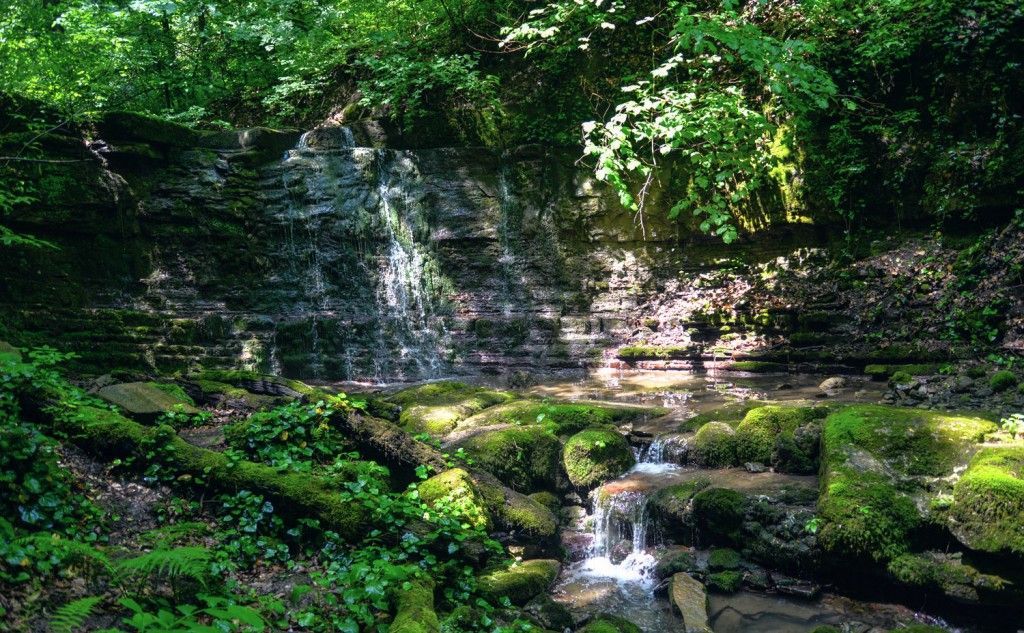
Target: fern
x,y
179,562
73,614
64,550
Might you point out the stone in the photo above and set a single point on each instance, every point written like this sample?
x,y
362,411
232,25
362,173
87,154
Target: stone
x,y
520,582
755,467
8,351
144,400
833,384
596,455
689,599
549,614
962,384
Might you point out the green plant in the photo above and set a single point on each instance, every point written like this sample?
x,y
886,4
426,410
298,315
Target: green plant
x,y
1014,425
73,615
219,615
296,436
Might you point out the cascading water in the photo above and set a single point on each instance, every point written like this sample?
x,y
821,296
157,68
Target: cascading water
x,y
405,289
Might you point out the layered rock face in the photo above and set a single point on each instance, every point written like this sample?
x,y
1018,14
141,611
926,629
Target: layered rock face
x,y
329,256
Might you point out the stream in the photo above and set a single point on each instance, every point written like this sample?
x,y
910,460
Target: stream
x,y
613,571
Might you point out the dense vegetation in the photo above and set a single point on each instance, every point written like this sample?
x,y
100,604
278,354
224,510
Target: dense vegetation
x,y
848,110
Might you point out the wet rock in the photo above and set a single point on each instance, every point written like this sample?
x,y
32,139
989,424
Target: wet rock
x,y
962,384
596,455
802,589
783,386
576,544
673,562
620,551
549,614
690,600
833,384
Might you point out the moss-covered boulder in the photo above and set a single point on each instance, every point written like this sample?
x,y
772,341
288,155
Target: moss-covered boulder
x,y
146,401
525,458
731,413
221,394
563,418
950,575
987,513
9,352
607,623
596,455
714,445
520,582
455,489
718,515
526,519
757,433
438,407
1002,381
725,581
670,507
882,467
414,609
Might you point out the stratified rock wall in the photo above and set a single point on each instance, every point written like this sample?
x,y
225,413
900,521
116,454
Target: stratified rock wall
x,y
319,258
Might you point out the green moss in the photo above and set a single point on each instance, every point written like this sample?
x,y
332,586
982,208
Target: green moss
x,y
719,514
414,609
516,512
714,445
988,501
868,452
455,489
949,574
248,379
596,455
901,378
173,535
757,433
757,366
548,500
675,563
731,414
825,629
1002,380
525,458
173,390
671,502
438,407
725,581
723,559
919,628
9,352
146,401
605,623
521,582
654,352
561,417
883,371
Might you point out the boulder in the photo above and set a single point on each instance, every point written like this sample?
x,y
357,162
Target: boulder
x,y
8,351
457,484
714,446
988,502
596,455
414,609
833,384
520,582
145,401
525,458
690,600
607,623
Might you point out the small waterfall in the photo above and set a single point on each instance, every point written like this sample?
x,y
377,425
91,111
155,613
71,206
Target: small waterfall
x,y
405,289
619,549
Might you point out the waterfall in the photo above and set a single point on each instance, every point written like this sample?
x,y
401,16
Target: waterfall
x,y
621,523
405,289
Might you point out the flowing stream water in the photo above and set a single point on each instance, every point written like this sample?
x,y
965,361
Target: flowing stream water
x,y
615,573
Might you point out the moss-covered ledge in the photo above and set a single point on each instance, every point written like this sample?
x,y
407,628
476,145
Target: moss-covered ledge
x,y
108,434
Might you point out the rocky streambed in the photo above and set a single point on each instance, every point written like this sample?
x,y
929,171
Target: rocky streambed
x,y
746,502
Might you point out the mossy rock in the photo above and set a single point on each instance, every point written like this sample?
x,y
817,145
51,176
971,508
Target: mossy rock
x,y
414,609
952,576
900,378
731,414
714,445
719,514
725,581
455,489
521,582
547,499
525,458
174,390
870,454
220,392
596,455
1002,381
670,506
551,615
882,371
757,367
258,383
563,418
756,435
656,352
724,559
146,401
606,623
988,501
674,563
9,352
524,517
438,407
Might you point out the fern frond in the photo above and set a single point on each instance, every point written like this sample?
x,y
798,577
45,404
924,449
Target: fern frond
x,y
66,550
190,562
73,614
